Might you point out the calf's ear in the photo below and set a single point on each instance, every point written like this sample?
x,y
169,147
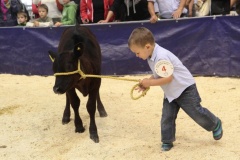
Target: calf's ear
x,y
52,55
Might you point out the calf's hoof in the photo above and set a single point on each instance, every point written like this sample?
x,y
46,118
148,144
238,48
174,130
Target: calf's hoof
x,y
79,129
94,137
103,114
65,120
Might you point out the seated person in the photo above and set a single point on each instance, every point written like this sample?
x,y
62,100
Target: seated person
x,y
43,20
69,13
22,18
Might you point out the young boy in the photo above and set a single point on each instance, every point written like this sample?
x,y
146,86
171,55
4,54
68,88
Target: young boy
x,y
68,14
179,88
22,18
43,20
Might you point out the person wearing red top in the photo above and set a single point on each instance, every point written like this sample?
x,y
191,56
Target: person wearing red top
x,y
92,11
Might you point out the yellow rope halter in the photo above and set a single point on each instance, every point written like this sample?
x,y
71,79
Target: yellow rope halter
x,y
79,71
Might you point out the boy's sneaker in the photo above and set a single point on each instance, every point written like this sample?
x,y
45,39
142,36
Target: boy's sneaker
x,y
218,131
167,146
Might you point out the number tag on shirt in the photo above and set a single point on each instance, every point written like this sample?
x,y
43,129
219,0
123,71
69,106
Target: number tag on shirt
x,y
164,68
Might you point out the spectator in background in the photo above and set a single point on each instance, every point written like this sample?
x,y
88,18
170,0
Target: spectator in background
x,y
55,8
43,20
69,13
92,11
8,12
167,9
128,10
22,18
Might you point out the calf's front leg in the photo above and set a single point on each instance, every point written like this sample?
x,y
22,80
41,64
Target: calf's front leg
x,y
75,103
67,112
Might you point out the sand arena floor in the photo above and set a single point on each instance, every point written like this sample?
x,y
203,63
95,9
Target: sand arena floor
x,y
31,128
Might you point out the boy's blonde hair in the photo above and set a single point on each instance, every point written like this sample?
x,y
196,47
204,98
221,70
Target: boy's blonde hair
x,y
140,37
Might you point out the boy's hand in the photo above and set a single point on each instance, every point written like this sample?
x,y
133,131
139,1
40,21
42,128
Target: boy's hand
x,y
140,88
145,83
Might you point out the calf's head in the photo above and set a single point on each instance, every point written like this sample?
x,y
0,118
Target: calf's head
x,y
65,62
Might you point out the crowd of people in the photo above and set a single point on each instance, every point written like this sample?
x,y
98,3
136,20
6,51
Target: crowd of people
x,y
69,12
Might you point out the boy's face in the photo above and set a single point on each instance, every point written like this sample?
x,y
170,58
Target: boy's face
x,y
142,52
21,19
42,12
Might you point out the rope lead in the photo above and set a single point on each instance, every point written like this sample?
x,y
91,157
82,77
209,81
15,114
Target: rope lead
x,y
83,76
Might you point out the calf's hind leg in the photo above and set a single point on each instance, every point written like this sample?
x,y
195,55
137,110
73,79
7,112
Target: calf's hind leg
x,y
91,108
75,103
100,107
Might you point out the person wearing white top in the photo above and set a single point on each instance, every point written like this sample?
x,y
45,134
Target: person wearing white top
x,y
53,11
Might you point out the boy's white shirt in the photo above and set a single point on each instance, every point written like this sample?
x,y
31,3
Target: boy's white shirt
x,y
182,77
